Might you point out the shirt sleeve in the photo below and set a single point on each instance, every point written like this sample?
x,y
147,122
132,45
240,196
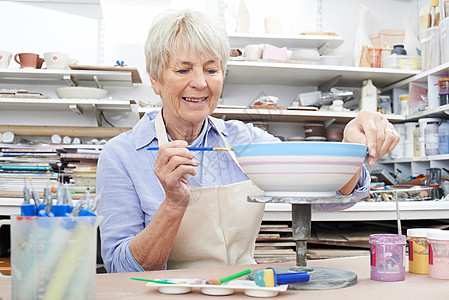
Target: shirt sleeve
x,y
361,191
122,215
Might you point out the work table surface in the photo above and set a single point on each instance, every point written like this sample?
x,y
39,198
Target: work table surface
x,y
119,286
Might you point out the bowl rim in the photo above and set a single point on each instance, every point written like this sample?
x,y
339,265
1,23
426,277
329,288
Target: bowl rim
x,y
309,149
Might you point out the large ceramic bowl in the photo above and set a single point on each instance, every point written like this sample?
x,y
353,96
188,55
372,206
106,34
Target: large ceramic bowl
x,y
302,169
78,92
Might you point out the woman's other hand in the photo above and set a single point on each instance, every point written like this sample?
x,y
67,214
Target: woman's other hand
x,y
173,163
375,131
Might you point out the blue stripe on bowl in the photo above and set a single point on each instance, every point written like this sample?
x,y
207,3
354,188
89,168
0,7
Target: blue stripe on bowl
x,y
300,148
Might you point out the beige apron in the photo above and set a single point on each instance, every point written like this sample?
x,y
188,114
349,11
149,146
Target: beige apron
x,y
220,227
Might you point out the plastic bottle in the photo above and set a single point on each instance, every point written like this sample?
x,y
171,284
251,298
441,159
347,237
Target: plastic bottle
x,y
431,138
443,136
368,96
416,145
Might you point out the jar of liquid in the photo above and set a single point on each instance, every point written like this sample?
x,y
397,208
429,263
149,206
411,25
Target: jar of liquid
x,y
387,257
403,105
416,143
431,138
443,138
399,50
418,250
444,85
438,254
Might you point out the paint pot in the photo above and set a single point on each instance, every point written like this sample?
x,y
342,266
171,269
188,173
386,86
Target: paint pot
x,y
438,254
418,250
387,257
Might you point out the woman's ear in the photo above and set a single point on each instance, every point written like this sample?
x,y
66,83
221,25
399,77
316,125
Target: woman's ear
x,y
155,85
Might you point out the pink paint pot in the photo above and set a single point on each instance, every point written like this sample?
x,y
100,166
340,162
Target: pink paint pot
x,y
387,257
438,254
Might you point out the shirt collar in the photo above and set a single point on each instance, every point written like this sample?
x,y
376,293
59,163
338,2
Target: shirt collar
x,y
145,131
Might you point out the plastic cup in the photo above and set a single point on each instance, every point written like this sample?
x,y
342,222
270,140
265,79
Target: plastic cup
x,y
387,257
53,257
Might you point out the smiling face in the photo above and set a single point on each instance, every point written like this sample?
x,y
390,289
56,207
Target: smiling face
x,y
190,87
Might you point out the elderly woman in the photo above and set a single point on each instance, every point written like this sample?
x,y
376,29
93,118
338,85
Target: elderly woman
x,y
175,208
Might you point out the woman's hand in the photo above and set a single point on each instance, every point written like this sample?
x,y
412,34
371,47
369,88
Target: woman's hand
x,y
375,131
173,163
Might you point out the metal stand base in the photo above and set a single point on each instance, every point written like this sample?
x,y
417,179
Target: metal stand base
x,y
320,278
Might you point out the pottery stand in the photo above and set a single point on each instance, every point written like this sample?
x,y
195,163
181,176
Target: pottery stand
x,y
320,278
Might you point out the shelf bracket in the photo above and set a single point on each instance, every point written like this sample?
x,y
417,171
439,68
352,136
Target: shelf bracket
x,y
69,80
323,48
76,109
325,87
328,123
97,113
97,82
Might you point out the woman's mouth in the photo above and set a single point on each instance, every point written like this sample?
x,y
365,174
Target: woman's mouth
x,y
195,100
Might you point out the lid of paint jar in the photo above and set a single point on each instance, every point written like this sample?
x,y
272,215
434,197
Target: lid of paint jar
x,y
444,79
387,239
443,93
420,232
403,97
438,235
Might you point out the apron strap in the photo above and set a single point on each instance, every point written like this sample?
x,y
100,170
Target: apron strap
x,y
161,133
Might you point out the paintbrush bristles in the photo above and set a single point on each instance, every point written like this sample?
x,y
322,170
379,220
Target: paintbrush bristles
x,y
214,281
222,149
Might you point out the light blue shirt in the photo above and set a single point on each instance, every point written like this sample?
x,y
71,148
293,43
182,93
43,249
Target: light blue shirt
x,y
130,192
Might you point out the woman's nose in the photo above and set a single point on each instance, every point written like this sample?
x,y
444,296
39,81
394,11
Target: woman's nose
x,y
198,80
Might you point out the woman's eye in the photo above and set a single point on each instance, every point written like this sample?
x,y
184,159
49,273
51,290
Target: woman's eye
x,y
183,71
211,71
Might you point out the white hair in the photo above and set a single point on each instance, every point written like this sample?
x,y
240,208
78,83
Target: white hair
x,y
183,30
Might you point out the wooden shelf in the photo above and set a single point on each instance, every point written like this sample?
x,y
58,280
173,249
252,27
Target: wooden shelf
x,y
67,77
93,132
250,72
289,41
273,115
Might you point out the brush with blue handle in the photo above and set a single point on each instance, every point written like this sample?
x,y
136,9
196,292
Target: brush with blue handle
x,y
268,278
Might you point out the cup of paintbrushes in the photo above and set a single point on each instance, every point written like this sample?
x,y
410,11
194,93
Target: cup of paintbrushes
x,y
53,257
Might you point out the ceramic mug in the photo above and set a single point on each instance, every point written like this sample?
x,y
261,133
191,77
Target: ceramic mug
x,y
253,51
26,60
40,61
5,58
56,60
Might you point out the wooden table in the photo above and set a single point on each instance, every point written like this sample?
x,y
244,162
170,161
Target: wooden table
x,y
119,286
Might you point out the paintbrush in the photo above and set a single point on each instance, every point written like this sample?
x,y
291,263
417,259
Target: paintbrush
x,y
198,148
155,281
216,281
